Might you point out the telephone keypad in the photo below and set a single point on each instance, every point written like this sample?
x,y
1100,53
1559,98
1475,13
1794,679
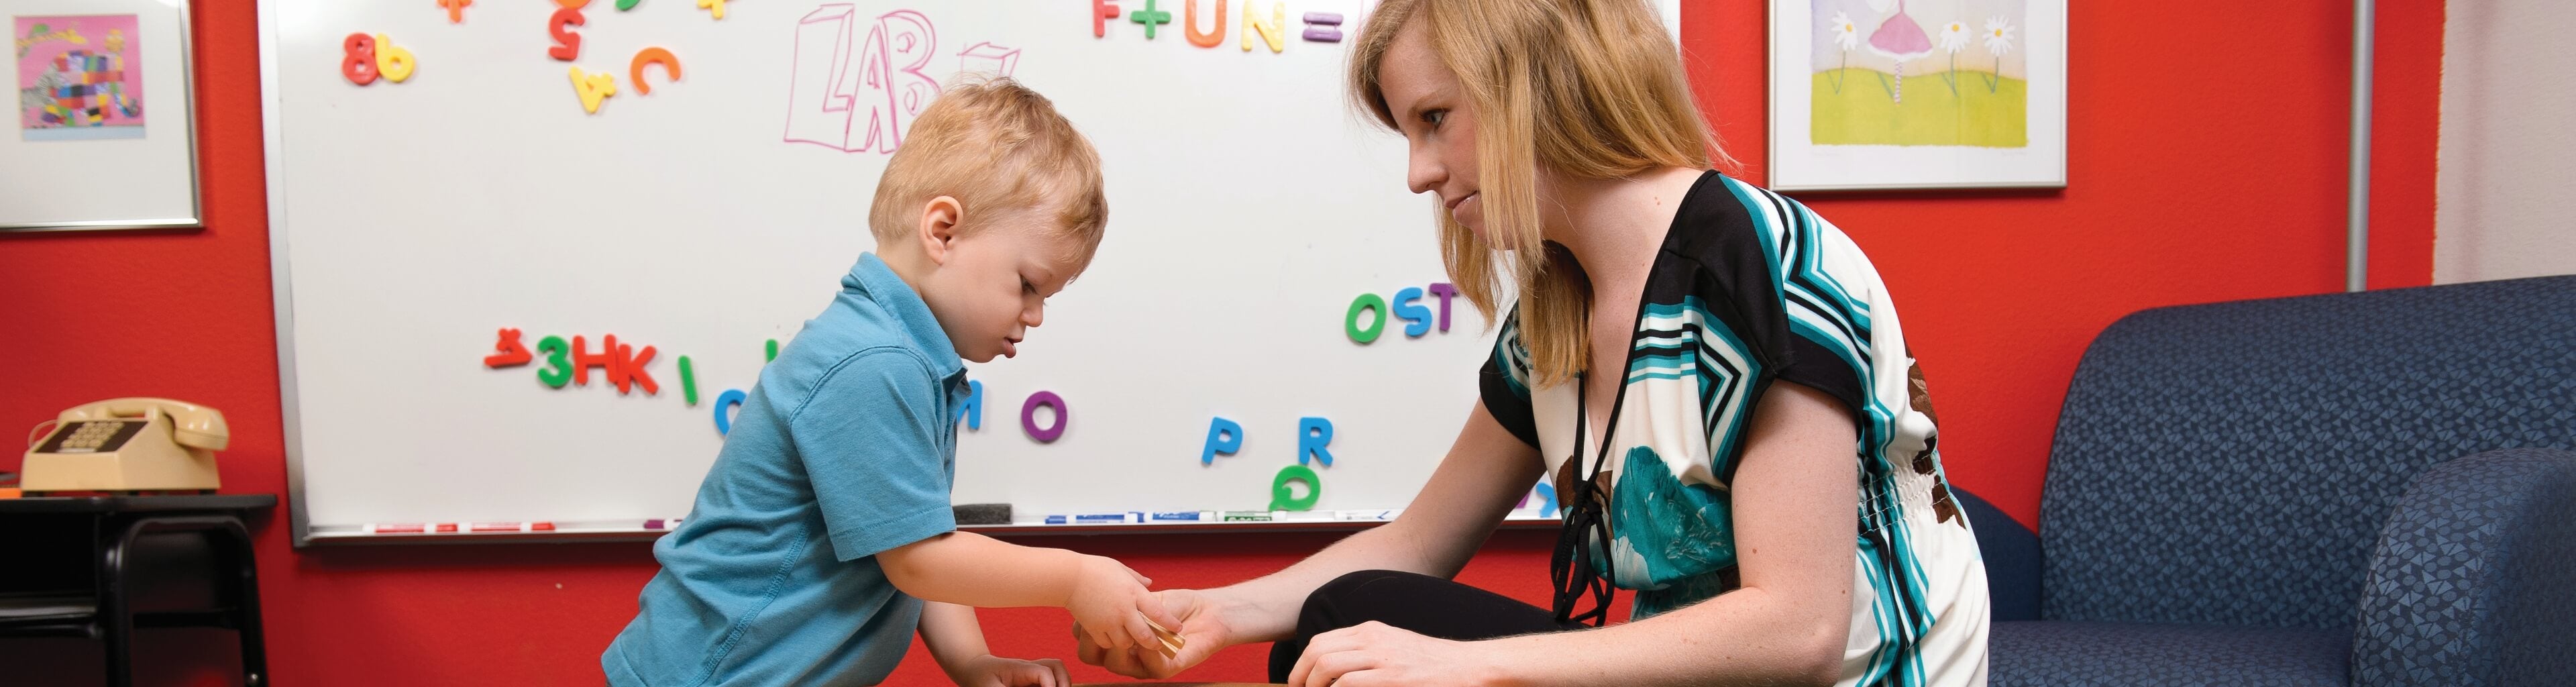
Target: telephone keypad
x,y
92,436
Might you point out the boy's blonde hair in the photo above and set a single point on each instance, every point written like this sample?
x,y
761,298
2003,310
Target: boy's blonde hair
x,y
1590,89
998,148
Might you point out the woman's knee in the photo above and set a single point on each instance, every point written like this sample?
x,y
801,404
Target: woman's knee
x,y
1347,600
1360,589
1360,582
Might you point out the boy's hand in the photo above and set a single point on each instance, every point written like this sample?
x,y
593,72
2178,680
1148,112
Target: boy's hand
x,y
1112,600
994,671
1202,627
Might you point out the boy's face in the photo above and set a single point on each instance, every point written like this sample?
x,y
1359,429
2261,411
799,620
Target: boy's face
x,y
992,283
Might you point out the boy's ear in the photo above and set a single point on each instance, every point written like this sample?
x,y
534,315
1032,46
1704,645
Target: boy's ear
x,y
938,229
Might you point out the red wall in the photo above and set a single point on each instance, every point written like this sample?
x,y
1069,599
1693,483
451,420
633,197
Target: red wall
x,y
2206,163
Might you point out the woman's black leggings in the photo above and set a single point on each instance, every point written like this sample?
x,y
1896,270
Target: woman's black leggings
x,y
1424,604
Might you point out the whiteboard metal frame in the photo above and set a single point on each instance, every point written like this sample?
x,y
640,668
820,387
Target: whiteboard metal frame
x,y
281,284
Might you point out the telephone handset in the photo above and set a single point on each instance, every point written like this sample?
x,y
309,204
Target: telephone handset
x,y
128,444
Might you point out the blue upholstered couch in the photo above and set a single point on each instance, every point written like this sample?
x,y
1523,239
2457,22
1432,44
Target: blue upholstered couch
x,y
2351,489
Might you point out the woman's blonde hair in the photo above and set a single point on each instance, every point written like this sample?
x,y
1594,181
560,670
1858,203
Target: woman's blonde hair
x,y
1588,89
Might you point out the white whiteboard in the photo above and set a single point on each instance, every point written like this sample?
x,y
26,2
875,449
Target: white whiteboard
x,y
410,221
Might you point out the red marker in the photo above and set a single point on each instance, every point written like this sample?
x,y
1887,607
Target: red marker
x,y
509,527
412,527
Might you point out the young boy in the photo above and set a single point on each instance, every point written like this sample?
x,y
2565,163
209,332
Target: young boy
x,y
823,533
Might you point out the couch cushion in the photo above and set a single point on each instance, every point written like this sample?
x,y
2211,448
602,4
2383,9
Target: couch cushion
x,y
2037,653
2231,463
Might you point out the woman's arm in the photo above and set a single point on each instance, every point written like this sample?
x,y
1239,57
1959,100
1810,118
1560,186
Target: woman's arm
x,y
1794,501
1487,470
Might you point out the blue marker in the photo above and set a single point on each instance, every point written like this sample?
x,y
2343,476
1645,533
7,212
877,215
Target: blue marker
x,y
1095,518
1187,515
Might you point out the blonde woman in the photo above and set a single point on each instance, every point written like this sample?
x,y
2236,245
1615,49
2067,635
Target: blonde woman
x,y
1712,376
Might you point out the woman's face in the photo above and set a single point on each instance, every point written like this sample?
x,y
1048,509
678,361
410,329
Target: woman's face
x,y
1439,126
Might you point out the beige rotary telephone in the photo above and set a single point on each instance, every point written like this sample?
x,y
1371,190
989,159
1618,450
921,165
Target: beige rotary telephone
x,y
127,444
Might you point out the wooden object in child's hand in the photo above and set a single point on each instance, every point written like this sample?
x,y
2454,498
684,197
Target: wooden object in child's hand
x,y
1172,641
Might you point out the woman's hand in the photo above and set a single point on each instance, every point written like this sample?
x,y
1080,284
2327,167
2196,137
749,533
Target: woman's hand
x,y
1372,654
1202,629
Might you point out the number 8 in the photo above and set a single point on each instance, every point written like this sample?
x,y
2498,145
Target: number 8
x,y
360,65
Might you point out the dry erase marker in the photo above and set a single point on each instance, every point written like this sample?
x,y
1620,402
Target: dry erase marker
x,y
661,524
1095,518
1183,516
409,527
510,527
1251,515
1366,514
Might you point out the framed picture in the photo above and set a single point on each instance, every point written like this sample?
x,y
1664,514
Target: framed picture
x,y
104,132
1918,94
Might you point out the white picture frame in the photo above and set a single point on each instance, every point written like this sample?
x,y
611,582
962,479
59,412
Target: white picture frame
x,y
102,132
1989,108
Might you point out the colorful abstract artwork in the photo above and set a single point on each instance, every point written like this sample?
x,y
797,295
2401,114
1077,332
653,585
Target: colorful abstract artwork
x,y
79,77
1914,72
1889,94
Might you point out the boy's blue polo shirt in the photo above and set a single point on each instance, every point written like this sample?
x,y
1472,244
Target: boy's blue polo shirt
x,y
844,449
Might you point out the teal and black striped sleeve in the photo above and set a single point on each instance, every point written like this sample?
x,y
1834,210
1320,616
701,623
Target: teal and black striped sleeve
x,y
1504,384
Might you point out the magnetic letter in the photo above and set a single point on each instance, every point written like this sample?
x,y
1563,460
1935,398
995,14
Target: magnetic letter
x,y
972,411
1273,32
1444,290
1417,319
1282,498
1313,435
1224,437
729,400
1029,416
1350,320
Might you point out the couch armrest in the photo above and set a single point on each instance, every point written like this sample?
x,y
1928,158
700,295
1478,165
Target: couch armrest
x,y
2473,581
2012,558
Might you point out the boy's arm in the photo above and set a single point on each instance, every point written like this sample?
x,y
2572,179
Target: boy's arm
x,y
956,640
970,569
975,570
867,438
954,637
